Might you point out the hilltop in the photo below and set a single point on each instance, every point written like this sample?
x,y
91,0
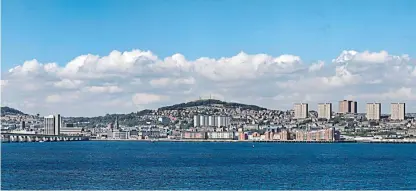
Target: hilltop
x,y
209,102
10,111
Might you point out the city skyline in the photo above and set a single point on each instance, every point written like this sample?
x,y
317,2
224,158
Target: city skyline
x,y
92,55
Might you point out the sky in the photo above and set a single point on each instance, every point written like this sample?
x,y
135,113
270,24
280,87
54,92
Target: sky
x,y
87,58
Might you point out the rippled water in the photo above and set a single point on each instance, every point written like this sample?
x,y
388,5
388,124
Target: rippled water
x,y
164,165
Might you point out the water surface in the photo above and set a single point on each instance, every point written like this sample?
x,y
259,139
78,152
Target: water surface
x,y
180,165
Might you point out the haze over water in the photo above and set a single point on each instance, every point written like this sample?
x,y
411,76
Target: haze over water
x,y
166,165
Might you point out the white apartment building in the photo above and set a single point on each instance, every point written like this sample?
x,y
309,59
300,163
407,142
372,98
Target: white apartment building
x,y
196,120
224,121
301,110
373,111
221,135
398,111
52,124
211,121
325,110
201,120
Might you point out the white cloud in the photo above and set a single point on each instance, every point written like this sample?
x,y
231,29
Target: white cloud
x,y
62,98
68,84
369,57
127,81
161,82
414,72
53,98
146,98
103,89
4,83
399,94
316,66
342,77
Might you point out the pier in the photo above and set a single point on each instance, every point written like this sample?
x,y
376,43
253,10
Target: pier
x,y
16,137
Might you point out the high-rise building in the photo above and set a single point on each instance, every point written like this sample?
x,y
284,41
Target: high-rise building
x,y
52,124
398,111
353,106
344,106
206,121
196,120
201,120
325,110
373,111
347,106
301,110
224,121
116,125
211,121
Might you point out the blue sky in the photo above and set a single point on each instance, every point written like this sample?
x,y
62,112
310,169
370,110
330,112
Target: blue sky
x,y
60,30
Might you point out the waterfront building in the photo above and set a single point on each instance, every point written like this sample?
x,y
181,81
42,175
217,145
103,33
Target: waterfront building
x,y
268,135
242,136
325,110
221,135
117,134
347,106
134,132
284,135
254,136
71,131
151,132
398,111
52,124
301,110
194,135
22,131
327,134
373,111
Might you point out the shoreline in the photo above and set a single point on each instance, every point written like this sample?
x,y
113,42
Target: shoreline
x,y
258,141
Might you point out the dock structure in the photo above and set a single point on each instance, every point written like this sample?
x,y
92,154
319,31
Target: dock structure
x,y
17,137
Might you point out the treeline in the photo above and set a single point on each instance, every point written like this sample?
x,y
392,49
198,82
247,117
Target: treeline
x,y
130,119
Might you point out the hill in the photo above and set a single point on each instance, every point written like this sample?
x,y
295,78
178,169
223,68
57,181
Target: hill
x,y
10,111
209,102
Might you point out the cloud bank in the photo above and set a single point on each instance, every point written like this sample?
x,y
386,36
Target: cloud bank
x,y
124,82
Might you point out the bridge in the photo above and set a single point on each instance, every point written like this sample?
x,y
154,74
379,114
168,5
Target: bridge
x,y
18,137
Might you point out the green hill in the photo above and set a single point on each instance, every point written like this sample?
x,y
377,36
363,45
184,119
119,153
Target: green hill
x,y
10,111
208,102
